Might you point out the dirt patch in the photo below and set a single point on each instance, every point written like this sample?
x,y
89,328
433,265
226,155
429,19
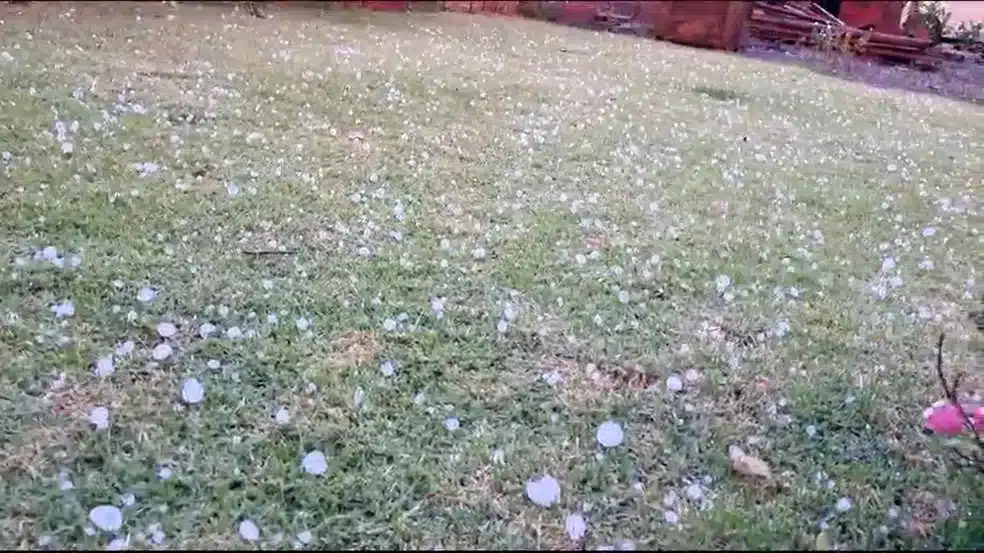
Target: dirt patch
x,y
956,80
582,382
353,349
927,510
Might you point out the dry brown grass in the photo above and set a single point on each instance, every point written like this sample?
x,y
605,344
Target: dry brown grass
x,y
353,349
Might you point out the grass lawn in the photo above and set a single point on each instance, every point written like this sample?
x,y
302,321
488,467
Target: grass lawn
x,y
358,280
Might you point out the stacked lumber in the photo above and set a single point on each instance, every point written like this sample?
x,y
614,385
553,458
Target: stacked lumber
x,y
808,24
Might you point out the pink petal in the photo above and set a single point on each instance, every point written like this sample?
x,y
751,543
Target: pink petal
x,y
948,419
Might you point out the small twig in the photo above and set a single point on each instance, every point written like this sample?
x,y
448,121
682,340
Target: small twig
x,y
269,252
165,74
950,390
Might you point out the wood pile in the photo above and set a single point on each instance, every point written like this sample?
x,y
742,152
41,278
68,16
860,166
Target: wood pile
x,y
808,24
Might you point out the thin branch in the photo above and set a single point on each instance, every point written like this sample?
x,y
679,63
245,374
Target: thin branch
x,y
950,390
269,252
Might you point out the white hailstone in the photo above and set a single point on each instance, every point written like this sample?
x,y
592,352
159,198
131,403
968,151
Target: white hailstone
x,y
437,307
811,431
674,384
154,534
282,416
213,364
929,231
248,530
452,424
192,391
479,253
553,378
575,526
128,499
206,330
305,538
843,505
723,282
104,367
107,518
315,463
125,348
67,148
161,352
498,456
48,253
388,368
58,382
302,324
389,325
509,312
232,189
670,517
782,328
118,544
543,491
64,309
887,264
359,398
165,473
166,330
610,434
64,482
694,492
692,376
670,499
502,326
623,296
234,333
272,318
146,295
99,418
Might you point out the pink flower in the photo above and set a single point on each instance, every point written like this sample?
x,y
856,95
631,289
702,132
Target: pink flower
x,y
946,418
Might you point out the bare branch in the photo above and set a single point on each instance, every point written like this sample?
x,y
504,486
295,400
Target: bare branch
x,y
950,391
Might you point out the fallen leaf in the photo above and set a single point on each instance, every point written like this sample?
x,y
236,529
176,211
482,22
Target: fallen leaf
x,y
822,542
748,465
920,528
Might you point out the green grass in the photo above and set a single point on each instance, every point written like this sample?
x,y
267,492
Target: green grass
x,y
599,198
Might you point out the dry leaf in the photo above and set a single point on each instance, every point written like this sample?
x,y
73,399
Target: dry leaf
x,y
748,465
920,528
822,542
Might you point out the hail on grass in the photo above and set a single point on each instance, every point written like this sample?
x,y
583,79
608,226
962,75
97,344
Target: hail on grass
x,y
543,491
107,518
610,434
315,463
